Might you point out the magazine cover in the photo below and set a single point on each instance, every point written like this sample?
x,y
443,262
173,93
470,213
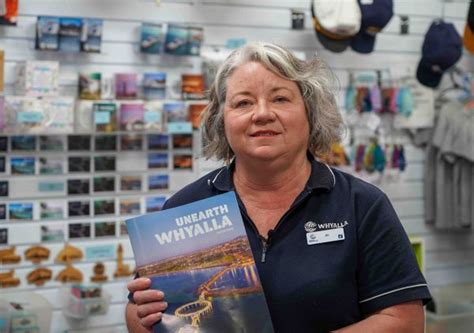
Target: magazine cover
x,y
70,34
91,40
126,86
105,116
151,38
192,86
132,116
199,256
89,85
154,85
47,28
176,40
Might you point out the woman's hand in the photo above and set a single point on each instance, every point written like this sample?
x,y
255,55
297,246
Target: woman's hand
x,y
148,308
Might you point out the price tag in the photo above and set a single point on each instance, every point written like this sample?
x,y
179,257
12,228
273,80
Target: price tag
x,y
180,127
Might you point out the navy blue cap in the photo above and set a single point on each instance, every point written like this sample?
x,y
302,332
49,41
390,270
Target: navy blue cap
x,y
375,16
442,48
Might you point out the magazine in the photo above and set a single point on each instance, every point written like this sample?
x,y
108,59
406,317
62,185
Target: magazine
x,y
199,255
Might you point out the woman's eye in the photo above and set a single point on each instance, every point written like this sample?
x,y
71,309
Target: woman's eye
x,y
242,104
281,99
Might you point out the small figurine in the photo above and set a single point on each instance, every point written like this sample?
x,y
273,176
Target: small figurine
x,y
39,276
69,274
68,253
7,279
8,256
36,254
99,276
122,269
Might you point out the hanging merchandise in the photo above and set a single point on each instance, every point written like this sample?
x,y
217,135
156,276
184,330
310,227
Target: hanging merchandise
x,y
335,22
47,33
151,39
442,48
468,37
9,13
375,16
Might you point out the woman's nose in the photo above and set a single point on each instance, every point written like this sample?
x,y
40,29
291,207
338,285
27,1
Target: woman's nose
x,y
263,113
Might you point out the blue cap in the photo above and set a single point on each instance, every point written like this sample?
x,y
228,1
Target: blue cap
x,y
375,16
442,48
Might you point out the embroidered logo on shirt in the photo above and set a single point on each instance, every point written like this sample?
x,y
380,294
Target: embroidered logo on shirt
x,y
311,226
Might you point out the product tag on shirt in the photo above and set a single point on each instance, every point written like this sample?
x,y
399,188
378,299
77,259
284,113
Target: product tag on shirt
x,y
325,236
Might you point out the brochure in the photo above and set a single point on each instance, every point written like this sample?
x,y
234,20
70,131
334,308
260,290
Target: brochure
x,y
199,255
151,38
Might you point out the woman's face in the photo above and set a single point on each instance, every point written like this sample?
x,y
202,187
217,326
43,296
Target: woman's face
x,y
264,115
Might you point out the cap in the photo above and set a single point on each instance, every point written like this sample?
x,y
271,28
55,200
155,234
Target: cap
x,y
375,16
442,48
468,36
335,22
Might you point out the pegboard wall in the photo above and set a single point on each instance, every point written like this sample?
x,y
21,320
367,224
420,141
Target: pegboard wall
x,y
98,232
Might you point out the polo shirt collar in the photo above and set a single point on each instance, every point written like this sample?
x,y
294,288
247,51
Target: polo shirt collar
x,y
321,177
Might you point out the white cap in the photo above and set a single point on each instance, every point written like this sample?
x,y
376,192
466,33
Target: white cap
x,y
338,17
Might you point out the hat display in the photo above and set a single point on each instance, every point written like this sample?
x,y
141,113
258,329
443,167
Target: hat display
x,y
468,37
375,16
442,48
335,22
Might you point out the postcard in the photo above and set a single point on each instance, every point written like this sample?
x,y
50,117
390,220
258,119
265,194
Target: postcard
x,y
3,211
91,40
122,228
2,164
78,186
158,141
52,233
104,229
22,165
154,204
47,29
195,111
51,165
79,230
52,210
132,116
129,206
89,85
154,85
79,163
199,255
4,188
176,40
23,142
153,116
195,38
104,207
126,86
157,160
104,163
106,143
104,184
3,143
158,182
78,142
131,142
70,34
175,112
105,116
20,211
79,208
51,143
192,86
181,141
3,236
182,161
151,38
131,183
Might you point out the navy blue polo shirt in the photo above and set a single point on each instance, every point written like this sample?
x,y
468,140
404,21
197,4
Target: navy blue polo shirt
x,y
326,286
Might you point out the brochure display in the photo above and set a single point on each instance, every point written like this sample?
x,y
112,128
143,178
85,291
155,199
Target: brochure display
x,y
199,255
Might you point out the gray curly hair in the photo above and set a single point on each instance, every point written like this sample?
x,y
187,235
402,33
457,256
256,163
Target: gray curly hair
x,y
315,82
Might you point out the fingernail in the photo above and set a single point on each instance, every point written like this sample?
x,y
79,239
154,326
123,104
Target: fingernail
x,y
165,304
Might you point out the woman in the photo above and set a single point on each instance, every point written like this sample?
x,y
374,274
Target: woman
x,y
269,114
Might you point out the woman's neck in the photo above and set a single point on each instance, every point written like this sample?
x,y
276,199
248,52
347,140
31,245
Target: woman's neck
x,y
271,176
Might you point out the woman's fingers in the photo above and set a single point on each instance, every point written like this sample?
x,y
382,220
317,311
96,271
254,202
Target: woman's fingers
x,y
139,284
151,308
150,320
148,296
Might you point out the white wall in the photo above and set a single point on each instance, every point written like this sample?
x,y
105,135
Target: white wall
x,y
450,256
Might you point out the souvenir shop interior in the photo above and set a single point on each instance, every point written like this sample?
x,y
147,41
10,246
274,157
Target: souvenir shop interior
x,y
100,105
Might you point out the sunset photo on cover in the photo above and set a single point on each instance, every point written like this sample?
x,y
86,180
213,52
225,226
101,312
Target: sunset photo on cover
x,y
199,256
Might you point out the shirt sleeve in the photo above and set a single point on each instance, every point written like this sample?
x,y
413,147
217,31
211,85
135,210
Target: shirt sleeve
x,y
388,273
